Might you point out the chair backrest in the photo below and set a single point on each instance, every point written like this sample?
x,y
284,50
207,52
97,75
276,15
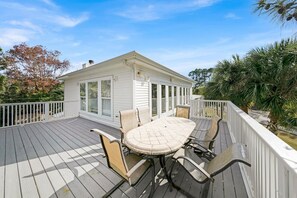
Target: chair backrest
x,y
129,120
212,132
144,115
114,154
182,111
234,153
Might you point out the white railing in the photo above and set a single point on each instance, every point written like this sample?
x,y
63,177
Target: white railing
x,y
208,108
273,171
274,163
24,113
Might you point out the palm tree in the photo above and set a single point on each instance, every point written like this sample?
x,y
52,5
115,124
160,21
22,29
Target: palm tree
x,y
272,78
228,82
282,10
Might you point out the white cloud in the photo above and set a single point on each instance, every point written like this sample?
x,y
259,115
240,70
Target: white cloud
x,y
204,3
67,21
16,6
26,24
143,11
120,37
185,59
12,36
43,15
50,3
75,44
231,15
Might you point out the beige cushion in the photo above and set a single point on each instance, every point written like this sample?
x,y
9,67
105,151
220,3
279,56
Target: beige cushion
x,y
183,111
128,119
144,115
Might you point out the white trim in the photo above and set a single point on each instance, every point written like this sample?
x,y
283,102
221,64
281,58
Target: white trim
x,y
99,98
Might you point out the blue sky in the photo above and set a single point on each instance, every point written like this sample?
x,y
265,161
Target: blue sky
x,y
180,34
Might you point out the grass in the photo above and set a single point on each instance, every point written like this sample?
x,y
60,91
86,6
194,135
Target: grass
x,y
289,139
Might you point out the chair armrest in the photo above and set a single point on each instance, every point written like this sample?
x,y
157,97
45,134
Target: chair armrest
x,y
135,167
193,145
121,129
196,166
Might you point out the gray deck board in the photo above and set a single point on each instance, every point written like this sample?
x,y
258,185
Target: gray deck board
x,y
60,159
2,163
63,159
43,183
28,183
12,184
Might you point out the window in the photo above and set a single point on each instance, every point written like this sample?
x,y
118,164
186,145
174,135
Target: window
x,y
163,93
170,97
188,95
154,100
82,96
93,97
106,97
96,97
180,96
184,95
175,98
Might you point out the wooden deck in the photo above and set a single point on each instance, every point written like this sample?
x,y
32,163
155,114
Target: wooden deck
x,y
63,159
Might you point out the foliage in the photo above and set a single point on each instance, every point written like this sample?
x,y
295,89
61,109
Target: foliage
x,y
283,10
199,91
265,77
201,76
32,74
272,78
289,116
228,82
2,67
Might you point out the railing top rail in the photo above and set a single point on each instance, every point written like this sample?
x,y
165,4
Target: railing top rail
x,y
27,103
211,100
278,146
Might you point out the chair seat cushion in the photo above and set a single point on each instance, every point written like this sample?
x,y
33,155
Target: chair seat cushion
x,y
132,160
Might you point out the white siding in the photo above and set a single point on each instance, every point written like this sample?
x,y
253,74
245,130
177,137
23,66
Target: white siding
x,y
145,76
141,93
122,90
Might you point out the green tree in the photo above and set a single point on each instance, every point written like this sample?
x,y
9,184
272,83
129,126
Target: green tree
x,y
283,10
228,82
201,76
272,78
2,67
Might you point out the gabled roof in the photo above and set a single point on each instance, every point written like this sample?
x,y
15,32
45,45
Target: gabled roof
x,y
128,56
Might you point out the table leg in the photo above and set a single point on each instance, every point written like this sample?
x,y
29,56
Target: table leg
x,y
163,166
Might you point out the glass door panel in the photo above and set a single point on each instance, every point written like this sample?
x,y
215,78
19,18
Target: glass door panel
x,y
154,100
93,97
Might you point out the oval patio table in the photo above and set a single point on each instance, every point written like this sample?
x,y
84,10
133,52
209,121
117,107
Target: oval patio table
x,y
159,138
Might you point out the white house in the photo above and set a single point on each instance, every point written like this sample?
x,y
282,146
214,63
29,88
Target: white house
x,y
125,82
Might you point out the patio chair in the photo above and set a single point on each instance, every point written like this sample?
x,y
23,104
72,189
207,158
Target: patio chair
x,y
182,111
204,172
130,167
203,148
129,121
144,115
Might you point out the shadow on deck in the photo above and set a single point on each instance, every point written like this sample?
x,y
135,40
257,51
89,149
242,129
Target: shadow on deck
x,y
63,159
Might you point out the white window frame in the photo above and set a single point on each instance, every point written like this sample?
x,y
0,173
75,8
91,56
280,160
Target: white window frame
x,y
86,107
98,80
100,98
